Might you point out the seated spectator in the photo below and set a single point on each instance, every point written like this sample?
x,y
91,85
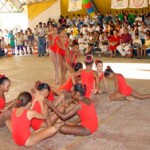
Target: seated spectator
x,y
103,43
3,45
82,43
138,19
137,44
142,32
71,36
114,41
146,46
125,42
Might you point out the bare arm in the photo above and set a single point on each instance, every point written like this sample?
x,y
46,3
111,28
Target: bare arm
x,y
11,103
116,90
105,84
54,90
75,122
96,80
75,74
33,114
66,116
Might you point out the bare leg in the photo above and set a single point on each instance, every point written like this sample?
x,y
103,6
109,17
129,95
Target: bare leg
x,y
40,135
6,115
56,66
114,53
118,97
26,49
144,51
111,53
65,69
140,96
74,130
54,117
58,100
138,52
8,124
2,121
61,64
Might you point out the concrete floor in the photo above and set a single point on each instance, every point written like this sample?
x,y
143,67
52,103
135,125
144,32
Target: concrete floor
x,y
123,125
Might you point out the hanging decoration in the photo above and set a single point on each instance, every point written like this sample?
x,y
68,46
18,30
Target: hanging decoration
x,y
89,7
138,3
119,4
75,5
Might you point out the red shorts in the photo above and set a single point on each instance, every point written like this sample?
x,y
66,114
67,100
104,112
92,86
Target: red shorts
x,y
53,49
61,52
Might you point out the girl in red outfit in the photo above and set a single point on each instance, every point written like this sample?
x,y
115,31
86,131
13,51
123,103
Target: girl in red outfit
x,y
62,44
85,109
38,105
122,90
114,41
72,56
53,49
67,86
21,121
5,108
89,77
99,69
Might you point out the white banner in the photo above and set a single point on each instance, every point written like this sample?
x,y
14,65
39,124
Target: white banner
x,y
119,4
75,5
138,3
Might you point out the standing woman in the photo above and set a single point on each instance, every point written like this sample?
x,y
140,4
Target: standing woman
x,y
63,44
25,42
4,87
53,36
12,42
31,41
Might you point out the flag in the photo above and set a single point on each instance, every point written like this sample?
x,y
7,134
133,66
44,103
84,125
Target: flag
x,y
138,3
75,5
119,4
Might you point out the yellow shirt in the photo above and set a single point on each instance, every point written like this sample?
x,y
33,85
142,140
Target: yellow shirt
x,y
75,32
147,43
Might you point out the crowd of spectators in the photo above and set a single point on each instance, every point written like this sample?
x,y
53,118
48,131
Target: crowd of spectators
x,y
125,33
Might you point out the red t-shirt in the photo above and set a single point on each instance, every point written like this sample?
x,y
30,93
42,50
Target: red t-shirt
x,y
126,38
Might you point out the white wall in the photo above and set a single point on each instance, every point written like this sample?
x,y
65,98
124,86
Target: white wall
x,y
12,21
53,12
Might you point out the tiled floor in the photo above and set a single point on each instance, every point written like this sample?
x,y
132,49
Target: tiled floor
x,y
123,125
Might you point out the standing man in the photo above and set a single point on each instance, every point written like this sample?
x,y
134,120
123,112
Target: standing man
x,y
41,39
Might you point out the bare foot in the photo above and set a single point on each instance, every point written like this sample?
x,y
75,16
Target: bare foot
x,y
130,98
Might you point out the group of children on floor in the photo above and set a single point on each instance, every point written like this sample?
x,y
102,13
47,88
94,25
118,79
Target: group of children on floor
x,y
68,109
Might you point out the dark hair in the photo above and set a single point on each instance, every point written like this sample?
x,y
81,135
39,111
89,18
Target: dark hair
x,y
88,59
74,43
97,61
136,34
61,29
77,66
23,99
41,86
81,88
3,79
108,71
